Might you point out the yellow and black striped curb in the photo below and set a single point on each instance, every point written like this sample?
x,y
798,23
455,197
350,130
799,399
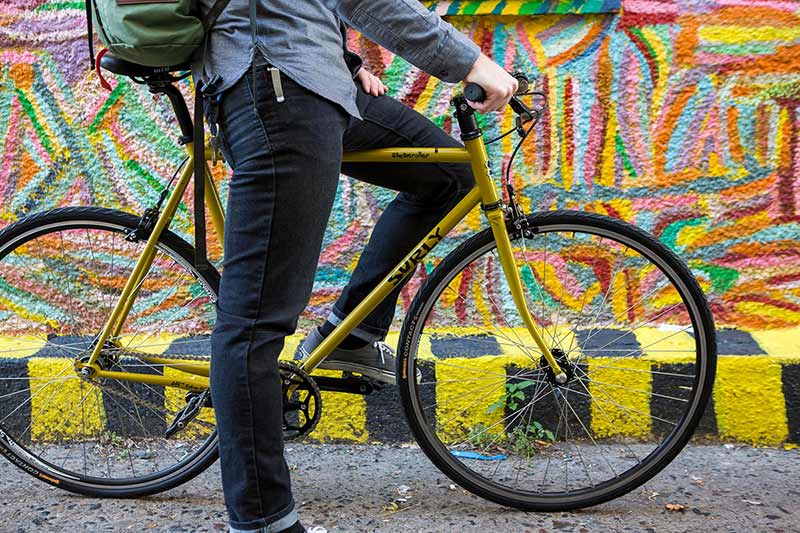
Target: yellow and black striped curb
x,y
756,396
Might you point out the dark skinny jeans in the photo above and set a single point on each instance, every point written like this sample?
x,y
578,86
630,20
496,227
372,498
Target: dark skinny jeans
x,y
286,160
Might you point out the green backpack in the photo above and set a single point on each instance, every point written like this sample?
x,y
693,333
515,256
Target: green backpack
x,y
154,33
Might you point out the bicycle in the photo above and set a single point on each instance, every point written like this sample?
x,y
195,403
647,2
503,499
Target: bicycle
x,y
564,357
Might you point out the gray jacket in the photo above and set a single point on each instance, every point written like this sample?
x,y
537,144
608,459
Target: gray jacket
x,y
306,40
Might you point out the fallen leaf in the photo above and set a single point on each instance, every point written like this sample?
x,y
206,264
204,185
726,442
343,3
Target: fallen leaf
x,y
391,508
653,496
752,502
675,507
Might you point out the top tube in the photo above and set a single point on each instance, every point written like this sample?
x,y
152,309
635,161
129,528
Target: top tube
x,y
408,155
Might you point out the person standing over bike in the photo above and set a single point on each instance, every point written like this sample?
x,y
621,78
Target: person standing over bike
x,y
291,99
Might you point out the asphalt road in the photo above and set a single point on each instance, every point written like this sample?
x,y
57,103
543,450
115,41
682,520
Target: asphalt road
x,y
362,488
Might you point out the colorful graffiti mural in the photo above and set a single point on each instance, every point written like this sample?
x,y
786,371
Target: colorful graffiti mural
x,y
679,116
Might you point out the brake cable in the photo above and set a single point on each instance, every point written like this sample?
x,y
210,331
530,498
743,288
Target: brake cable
x,y
523,114
516,211
523,110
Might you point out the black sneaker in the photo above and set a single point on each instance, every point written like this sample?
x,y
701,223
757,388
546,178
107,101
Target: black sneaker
x,y
376,360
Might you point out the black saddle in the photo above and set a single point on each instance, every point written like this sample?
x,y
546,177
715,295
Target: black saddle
x,y
126,68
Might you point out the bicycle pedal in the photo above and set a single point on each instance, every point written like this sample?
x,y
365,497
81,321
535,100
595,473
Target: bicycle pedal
x,y
349,383
194,403
373,383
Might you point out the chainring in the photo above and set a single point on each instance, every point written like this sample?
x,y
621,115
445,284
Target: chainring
x,y
303,408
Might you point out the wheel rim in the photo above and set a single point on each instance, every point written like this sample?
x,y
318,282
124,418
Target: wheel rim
x,y
499,419
59,282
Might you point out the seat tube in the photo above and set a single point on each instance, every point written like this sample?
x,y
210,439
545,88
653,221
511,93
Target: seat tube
x,y
492,207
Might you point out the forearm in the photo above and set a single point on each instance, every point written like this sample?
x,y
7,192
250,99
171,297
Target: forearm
x,y
406,28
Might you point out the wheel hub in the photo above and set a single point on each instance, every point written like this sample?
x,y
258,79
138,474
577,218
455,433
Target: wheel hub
x,y
105,361
567,367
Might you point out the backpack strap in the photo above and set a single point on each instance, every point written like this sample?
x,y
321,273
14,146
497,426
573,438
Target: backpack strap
x,y
214,13
199,148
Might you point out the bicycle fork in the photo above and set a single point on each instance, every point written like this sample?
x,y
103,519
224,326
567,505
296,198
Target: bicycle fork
x,y
492,207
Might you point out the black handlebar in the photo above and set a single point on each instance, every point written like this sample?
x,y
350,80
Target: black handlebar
x,y
474,92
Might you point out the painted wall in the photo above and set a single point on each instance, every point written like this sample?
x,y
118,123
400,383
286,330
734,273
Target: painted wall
x,y
680,116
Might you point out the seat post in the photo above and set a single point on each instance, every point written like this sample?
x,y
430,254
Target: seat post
x,y
178,106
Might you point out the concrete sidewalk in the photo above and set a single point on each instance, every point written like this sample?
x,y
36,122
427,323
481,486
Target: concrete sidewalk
x,y
354,488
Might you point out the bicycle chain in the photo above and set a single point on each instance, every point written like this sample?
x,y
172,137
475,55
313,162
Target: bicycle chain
x,y
287,371
140,355
136,399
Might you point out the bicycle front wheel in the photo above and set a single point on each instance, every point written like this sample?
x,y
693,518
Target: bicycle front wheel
x,y
626,320
61,273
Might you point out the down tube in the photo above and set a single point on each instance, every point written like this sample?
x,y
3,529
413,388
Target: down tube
x,y
395,277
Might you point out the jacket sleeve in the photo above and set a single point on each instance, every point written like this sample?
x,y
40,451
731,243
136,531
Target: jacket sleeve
x,y
408,29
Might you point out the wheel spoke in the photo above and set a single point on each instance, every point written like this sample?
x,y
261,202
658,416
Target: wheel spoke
x,y
607,297
60,286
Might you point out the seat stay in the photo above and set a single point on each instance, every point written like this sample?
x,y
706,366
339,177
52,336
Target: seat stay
x,y
124,303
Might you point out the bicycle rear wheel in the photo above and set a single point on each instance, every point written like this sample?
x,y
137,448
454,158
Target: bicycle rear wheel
x,y
628,323
61,273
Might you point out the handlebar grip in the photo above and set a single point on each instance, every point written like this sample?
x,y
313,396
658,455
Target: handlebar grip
x,y
474,92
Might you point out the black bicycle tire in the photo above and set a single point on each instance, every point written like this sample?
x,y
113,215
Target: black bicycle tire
x,y
96,217
671,446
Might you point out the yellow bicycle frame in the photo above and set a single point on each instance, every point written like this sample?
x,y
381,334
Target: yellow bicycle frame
x,y
484,193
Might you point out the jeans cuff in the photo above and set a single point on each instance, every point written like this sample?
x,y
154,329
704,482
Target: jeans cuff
x,y
278,522
362,331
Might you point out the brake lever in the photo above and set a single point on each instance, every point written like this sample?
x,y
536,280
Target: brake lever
x,y
524,113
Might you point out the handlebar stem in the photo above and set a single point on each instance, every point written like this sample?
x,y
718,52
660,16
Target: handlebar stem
x,y
465,116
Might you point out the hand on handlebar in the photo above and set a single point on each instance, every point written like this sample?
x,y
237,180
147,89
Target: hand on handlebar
x,y
498,85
